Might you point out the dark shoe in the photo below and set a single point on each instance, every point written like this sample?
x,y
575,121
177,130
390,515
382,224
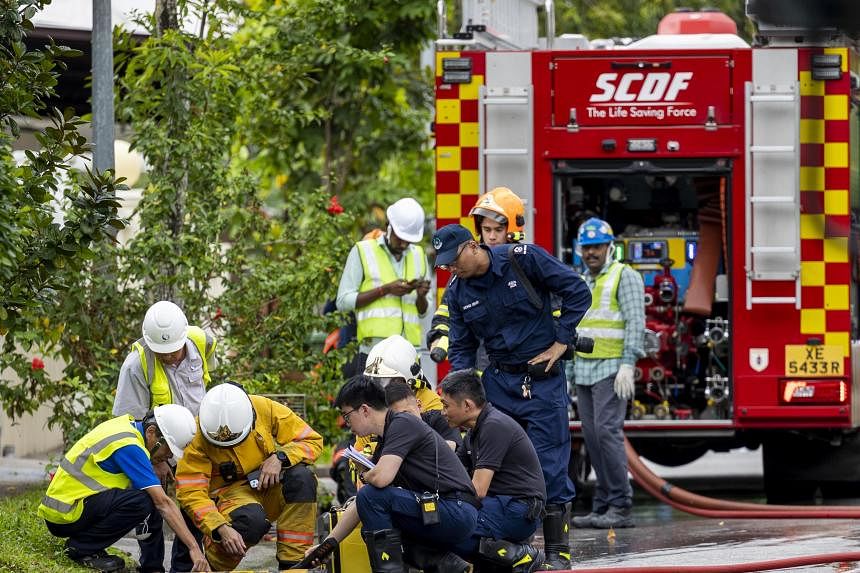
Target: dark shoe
x,y
432,560
516,557
556,535
100,561
385,550
614,518
585,521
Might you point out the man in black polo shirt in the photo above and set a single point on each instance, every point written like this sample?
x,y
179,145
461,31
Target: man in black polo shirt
x,y
507,475
418,489
400,398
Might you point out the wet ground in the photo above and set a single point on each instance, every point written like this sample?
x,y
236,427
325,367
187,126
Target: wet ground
x,y
666,537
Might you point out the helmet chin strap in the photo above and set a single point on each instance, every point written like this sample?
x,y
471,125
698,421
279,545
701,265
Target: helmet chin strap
x,y
155,448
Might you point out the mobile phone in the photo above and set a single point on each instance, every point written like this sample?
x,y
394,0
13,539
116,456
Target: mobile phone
x,y
254,479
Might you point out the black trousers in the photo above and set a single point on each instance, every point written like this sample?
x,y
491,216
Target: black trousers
x,y
108,516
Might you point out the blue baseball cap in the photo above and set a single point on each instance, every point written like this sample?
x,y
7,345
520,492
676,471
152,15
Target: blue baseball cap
x,y
447,241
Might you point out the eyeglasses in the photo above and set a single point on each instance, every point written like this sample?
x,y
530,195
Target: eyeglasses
x,y
454,262
346,415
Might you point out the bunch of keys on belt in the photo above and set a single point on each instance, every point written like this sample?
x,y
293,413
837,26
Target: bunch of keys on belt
x,y
527,387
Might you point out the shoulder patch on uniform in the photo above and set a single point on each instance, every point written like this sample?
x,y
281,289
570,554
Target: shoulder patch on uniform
x,y
520,249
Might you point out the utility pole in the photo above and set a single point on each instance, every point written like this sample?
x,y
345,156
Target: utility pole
x,y
102,58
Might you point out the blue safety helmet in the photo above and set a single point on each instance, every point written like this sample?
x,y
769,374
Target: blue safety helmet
x,y
594,232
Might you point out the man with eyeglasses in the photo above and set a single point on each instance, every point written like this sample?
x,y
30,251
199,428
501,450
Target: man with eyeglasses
x,y
501,296
418,493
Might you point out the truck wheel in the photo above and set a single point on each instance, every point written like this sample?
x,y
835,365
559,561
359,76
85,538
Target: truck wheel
x,y
796,464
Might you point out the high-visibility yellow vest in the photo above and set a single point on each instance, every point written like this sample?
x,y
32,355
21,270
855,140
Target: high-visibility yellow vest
x,y
389,315
79,475
604,322
159,386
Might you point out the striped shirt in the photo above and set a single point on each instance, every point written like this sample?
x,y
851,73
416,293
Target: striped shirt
x,y
631,302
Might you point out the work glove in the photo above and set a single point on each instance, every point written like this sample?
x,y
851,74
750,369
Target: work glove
x,y
624,384
319,555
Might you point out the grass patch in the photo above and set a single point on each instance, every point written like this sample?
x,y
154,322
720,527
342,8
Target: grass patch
x,y
26,545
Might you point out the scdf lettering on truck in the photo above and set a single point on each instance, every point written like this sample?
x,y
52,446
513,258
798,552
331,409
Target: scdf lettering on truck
x,y
636,86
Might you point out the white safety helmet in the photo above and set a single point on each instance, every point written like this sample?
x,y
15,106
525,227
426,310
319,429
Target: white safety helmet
x,y
177,426
165,328
406,218
226,415
394,357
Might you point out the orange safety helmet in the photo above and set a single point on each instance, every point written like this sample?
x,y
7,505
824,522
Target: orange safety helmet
x,y
503,206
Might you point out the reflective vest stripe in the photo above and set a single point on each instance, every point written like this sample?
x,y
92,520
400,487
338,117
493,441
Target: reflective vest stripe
x,y
389,315
604,322
79,475
74,469
159,386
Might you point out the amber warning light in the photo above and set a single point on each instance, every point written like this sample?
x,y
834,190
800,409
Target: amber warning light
x,y
817,392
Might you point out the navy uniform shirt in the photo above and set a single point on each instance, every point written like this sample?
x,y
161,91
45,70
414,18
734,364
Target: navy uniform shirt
x,y
495,307
500,444
428,463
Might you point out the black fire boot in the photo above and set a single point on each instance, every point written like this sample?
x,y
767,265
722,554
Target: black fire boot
x,y
431,560
516,557
385,550
556,535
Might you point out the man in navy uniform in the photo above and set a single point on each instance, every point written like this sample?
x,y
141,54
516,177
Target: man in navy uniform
x,y
501,295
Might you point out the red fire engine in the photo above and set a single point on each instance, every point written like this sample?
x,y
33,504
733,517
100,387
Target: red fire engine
x,y
729,175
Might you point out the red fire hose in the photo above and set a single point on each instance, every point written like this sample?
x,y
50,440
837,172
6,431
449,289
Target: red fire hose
x,y
786,563
708,507
688,502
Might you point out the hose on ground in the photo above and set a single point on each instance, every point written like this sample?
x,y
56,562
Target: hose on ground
x,y
768,565
688,502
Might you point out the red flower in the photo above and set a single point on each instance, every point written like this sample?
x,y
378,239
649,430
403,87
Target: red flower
x,y
37,363
334,206
218,315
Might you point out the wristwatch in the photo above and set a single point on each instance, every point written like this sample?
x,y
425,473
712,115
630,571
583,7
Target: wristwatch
x,y
282,457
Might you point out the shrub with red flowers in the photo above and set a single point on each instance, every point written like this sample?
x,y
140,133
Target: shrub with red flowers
x,y
334,206
37,363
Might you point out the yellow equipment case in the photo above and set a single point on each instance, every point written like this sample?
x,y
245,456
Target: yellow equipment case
x,y
351,553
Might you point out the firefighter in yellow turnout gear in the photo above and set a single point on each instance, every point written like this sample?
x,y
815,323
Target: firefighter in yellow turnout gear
x,y
218,486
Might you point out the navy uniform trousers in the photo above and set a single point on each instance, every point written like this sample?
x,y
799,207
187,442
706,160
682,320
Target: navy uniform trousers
x,y
545,420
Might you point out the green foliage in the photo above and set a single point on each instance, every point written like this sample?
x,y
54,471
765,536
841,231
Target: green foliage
x,y
248,136
25,543
635,18
52,220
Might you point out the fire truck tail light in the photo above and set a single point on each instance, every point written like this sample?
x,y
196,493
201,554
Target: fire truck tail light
x,y
815,392
456,70
827,66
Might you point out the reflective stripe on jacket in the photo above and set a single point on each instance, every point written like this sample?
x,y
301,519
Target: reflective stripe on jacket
x,y
79,475
198,476
389,315
604,322
159,386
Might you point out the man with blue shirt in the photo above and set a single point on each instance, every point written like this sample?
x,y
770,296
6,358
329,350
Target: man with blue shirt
x,y
106,485
501,295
